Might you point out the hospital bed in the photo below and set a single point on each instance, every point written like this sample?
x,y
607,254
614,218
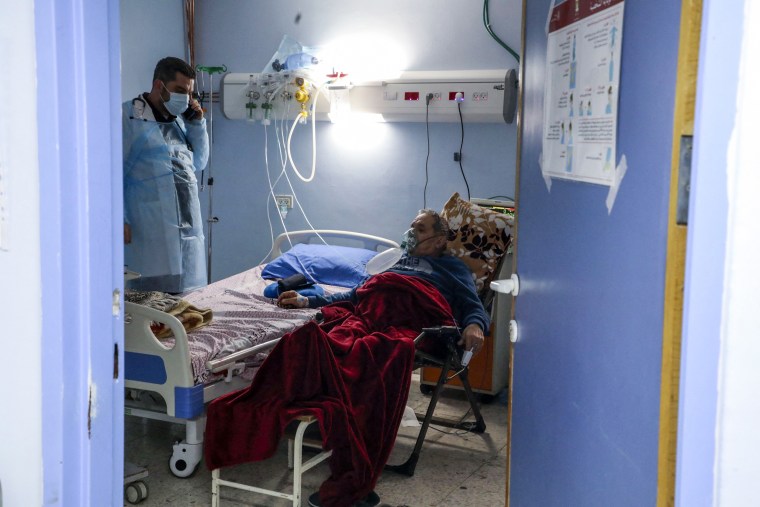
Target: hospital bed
x,y
481,238
173,379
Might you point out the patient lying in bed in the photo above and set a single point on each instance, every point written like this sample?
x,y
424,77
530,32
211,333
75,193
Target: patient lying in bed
x,y
352,371
424,243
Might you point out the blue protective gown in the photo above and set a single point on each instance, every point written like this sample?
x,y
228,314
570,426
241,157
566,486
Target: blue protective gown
x,y
161,202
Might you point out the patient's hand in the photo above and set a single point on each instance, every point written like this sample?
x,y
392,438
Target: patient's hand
x,y
292,299
472,338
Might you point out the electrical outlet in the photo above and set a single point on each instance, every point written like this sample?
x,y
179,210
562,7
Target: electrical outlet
x,y
284,199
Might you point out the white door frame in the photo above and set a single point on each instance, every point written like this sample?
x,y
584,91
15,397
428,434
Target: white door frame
x,y
79,117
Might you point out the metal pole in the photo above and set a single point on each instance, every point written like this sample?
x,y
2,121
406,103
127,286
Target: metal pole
x,y
211,219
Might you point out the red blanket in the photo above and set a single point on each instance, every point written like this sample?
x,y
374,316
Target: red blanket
x,y
352,373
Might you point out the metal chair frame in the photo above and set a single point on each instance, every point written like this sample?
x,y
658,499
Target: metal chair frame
x,y
296,443
450,362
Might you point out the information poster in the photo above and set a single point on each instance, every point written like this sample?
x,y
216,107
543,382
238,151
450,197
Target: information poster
x,y
581,90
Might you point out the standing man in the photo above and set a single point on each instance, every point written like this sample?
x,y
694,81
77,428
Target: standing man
x,y
165,142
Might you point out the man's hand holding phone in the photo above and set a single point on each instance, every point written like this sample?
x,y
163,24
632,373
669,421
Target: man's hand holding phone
x,y
194,110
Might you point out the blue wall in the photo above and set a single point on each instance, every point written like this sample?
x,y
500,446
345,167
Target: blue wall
x,y
150,30
376,185
587,365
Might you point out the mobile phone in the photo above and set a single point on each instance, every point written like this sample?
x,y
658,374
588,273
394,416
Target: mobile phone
x,y
190,113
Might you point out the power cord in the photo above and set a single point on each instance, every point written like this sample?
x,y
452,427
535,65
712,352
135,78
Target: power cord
x,y
428,98
487,24
461,144
470,426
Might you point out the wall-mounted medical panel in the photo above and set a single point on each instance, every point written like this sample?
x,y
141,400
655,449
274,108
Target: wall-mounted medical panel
x,y
438,96
261,97
478,94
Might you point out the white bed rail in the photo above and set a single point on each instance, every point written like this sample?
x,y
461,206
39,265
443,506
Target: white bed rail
x,y
218,365
176,360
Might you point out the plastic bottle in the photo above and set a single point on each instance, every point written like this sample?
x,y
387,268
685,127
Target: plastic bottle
x,y
295,61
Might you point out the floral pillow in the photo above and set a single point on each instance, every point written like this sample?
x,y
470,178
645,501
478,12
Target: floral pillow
x,y
478,236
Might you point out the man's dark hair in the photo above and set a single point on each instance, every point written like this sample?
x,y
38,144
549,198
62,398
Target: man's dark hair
x,y
167,68
440,224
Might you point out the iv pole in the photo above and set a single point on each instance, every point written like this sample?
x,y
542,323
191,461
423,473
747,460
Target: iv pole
x,y
211,219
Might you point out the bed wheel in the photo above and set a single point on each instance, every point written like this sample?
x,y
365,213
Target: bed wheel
x,y
136,492
179,467
185,459
426,389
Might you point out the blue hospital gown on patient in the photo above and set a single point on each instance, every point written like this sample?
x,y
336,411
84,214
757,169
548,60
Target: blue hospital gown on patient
x,y
161,202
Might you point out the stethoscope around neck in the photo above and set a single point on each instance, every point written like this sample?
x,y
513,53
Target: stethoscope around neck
x,y
179,127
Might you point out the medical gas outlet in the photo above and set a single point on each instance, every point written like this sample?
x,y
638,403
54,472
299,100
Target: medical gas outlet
x,y
415,96
265,96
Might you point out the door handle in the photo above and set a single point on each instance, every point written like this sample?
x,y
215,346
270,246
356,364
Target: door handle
x,y
509,285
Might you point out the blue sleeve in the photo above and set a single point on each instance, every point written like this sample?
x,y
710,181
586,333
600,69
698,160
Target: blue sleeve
x,y
198,137
319,301
465,301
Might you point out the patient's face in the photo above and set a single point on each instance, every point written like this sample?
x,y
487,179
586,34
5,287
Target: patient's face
x,y
428,241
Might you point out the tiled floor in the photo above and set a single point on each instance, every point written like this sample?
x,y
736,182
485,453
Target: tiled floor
x,y
455,468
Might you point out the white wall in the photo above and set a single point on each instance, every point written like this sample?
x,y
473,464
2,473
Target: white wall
x,y
738,440
20,290
718,442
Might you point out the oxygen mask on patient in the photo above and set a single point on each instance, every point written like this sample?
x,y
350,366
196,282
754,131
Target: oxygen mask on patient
x,y
388,258
409,242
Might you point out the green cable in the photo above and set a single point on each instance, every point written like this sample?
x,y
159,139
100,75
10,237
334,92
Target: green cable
x,y
487,23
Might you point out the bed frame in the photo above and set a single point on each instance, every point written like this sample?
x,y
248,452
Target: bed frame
x,y
152,368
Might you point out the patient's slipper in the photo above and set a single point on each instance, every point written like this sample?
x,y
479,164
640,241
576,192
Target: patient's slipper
x,y
409,418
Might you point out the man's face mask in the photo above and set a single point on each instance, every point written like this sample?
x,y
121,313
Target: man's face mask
x,y
409,241
177,102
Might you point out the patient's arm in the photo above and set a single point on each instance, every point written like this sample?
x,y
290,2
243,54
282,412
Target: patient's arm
x,y
292,299
320,301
